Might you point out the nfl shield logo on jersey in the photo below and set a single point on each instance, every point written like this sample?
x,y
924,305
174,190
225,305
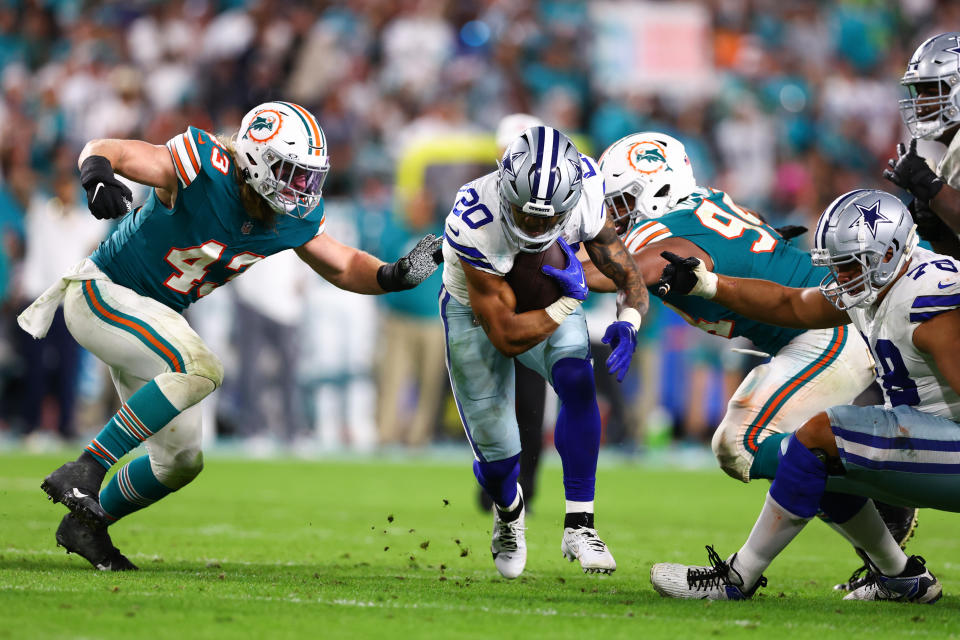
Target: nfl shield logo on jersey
x,y
246,228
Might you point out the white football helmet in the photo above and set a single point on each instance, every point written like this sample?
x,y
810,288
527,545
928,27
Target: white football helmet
x,y
933,80
858,229
540,182
282,154
645,175
510,127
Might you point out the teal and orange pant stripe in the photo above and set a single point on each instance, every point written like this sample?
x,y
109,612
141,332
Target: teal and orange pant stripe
x,y
134,326
778,399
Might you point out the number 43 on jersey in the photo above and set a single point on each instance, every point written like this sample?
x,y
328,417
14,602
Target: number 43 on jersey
x,y
193,263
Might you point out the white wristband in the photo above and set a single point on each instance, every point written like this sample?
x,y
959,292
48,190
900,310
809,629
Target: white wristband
x,y
630,315
559,310
706,286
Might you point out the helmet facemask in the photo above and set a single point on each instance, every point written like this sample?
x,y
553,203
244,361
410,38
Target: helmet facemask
x,y
532,226
930,110
622,209
292,187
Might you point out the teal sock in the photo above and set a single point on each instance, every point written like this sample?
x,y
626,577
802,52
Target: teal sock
x,y
132,488
767,458
146,412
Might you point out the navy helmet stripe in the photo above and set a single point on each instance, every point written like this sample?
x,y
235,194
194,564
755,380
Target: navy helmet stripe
x,y
553,162
535,188
824,220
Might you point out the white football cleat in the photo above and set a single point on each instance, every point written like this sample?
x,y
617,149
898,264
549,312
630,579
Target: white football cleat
x,y
914,584
509,545
717,582
583,544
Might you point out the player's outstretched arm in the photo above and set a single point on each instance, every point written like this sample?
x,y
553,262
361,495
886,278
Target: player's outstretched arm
x,y
354,270
493,303
760,300
135,160
940,337
612,259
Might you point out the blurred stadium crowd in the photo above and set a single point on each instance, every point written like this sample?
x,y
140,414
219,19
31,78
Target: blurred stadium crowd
x,y
782,103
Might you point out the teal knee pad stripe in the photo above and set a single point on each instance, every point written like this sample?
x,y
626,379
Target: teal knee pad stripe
x,y
767,458
135,326
133,487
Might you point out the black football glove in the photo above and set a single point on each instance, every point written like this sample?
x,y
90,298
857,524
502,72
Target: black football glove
x,y
107,197
790,231
911,172
930,226
678,276
413,268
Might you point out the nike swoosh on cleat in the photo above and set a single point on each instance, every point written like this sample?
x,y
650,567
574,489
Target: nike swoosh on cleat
x,y
79,494
96,191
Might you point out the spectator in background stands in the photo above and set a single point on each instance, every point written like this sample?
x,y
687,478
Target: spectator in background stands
x,y
411,371
267,399
60,232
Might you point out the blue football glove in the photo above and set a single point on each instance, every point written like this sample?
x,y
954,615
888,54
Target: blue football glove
x,y
571,278
622,338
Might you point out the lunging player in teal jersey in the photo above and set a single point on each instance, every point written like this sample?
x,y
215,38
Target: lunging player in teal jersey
x,y
651,191
217,207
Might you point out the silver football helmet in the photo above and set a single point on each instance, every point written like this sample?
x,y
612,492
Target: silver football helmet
x,y
933,80
864,237
540,181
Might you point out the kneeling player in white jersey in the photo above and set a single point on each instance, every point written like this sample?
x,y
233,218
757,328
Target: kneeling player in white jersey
x,y
543,192
906,303
657,206
216,208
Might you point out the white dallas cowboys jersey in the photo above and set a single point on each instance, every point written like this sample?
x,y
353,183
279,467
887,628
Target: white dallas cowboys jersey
x,y
949,167
474,230
930,286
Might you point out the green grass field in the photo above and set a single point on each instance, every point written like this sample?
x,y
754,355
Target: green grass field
x,y
380,548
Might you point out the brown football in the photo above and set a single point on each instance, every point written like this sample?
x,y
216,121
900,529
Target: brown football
x,y
533,288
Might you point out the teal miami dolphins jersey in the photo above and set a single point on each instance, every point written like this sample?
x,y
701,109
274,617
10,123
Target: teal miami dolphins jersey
x,y
740,245
181,254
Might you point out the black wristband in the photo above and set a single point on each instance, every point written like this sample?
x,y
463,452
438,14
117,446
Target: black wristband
x,y
387,277
95,169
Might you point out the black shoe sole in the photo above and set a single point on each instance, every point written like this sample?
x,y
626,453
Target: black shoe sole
x,y
84,513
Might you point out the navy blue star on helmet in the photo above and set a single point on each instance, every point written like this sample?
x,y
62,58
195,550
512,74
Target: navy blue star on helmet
x,y
871,217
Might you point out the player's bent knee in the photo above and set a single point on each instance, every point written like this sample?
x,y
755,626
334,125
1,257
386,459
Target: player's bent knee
x,y
207,365
734,462
816,433
184,390
180,469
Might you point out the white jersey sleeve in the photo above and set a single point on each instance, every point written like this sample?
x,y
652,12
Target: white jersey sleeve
x,y
949,167
930,287
473,234
588,216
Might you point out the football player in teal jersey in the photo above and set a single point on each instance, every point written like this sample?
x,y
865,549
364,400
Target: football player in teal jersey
x,y
658,207
217,207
